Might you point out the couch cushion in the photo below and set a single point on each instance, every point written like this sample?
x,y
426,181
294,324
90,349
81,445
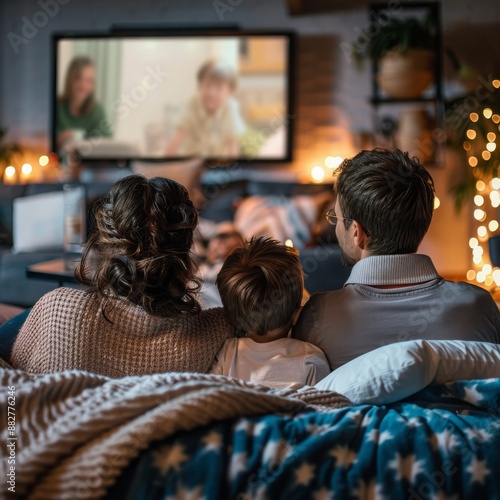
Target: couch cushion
x,y
7,196
15,287
396,371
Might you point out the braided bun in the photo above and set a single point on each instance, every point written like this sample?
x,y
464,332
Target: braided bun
x,y
141,246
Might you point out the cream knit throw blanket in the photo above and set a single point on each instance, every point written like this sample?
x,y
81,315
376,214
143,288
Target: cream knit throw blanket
x,y
76,431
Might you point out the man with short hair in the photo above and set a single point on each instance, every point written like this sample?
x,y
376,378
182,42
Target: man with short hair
x,y
384,207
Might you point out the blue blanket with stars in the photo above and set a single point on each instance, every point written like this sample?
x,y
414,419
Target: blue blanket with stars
x,y
442,443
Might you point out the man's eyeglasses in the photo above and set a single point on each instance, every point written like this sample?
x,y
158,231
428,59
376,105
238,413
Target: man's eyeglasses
x,y
332,219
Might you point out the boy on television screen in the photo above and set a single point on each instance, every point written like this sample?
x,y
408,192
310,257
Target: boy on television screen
x,y
211,122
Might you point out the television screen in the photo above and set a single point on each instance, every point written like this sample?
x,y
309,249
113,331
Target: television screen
x,y
214,96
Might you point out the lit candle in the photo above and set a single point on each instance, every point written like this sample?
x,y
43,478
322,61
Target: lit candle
x,y
10,175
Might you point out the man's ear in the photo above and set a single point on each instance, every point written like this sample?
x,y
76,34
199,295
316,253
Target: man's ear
x,y
359,236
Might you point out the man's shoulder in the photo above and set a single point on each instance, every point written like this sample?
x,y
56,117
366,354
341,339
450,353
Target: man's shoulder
x,y
332,296
467,292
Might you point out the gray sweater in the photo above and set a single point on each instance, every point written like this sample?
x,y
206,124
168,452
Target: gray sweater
x,y
360,317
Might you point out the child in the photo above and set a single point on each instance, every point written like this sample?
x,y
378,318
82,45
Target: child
x,y
211,122
261,289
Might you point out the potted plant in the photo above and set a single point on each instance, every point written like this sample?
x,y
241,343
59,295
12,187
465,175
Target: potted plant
x,y
403,50
7,151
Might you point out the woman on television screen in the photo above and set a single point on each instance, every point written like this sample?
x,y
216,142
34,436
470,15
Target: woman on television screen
x,y
78,115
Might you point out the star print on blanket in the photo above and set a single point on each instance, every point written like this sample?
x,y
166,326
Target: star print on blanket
x,y
441,443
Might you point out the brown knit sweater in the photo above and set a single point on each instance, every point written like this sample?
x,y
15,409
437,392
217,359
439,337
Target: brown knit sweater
x,y
67,330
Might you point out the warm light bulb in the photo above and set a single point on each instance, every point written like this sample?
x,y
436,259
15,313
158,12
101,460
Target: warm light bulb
x,y
333,161
496,276
495,203
477,251
473,243
488,281
495,118
437,202
43,160
487,112
478,200
289,243
479,214
480,277
471,274
482,231
491,146
466,145
10,171
480,185
486,269
496,83
491,136
477,259
472,161
317,173
26,169
474,117
486,155
471,134
495,183
493,225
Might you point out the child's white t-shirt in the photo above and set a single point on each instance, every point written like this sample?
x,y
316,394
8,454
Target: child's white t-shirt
x,y
279,364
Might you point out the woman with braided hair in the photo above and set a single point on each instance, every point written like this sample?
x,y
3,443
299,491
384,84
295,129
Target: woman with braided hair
x,y
139,314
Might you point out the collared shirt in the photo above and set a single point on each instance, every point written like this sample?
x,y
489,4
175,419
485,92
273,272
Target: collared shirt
x,y
361,317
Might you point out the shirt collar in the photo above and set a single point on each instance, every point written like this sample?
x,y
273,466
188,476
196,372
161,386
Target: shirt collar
x,y
404,269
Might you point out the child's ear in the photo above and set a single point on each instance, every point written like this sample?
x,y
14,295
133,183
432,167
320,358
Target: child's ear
x,y
295,316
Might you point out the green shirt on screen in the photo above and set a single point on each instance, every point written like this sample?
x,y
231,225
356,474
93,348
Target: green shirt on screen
x,y
94,123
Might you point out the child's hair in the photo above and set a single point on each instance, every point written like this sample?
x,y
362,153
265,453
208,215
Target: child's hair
x,y
219,72
261,286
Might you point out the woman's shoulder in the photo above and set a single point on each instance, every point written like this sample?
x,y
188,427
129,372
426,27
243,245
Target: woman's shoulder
x,y
70,297
213,320
213,314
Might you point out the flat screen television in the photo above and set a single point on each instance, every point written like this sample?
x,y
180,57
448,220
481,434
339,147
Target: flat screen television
x,y
217,95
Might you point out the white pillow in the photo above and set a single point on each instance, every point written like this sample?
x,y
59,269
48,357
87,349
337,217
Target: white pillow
x,y
396,371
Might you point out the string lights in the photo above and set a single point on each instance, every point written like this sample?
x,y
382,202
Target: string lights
x,y
487,197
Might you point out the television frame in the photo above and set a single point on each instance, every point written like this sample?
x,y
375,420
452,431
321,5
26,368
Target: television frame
x,y
130,32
